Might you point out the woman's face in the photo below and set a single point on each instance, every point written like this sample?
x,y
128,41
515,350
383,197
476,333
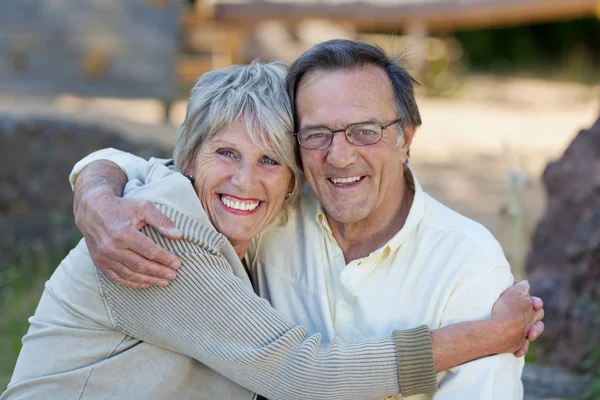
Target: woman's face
x,y
241,189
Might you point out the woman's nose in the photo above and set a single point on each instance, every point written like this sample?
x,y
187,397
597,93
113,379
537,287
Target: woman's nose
x,y
244,176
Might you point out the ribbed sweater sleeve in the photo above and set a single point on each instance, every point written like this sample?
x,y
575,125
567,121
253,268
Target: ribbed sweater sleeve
x,y
208,314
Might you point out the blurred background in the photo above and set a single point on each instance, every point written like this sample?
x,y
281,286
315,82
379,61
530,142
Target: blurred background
x,y
509,97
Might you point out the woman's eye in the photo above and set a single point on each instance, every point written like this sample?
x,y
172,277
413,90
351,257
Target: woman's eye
x,y
269,160
226,153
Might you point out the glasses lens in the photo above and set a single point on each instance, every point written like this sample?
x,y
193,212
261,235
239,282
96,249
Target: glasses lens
x,y
315,138
364,134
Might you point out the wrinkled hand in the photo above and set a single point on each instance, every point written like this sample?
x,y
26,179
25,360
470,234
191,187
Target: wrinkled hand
x,y
519,318
111,224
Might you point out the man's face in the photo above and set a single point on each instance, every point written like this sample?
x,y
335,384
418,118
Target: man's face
x,y
353,182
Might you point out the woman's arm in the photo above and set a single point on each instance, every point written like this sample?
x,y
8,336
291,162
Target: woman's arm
x,y
452,345
209,314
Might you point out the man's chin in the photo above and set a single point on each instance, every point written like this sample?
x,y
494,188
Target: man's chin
x,y
347,215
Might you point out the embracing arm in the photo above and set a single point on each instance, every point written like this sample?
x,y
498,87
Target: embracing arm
x,y
116,245
106,226
211,315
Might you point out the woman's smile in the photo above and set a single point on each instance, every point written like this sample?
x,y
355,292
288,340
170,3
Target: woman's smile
x,y
239,206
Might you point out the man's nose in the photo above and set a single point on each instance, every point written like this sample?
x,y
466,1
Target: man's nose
x,y
341,152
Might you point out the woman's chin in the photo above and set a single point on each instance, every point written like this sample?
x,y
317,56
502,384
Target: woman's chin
x,y
235,229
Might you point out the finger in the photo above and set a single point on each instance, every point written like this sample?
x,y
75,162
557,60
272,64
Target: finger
x,y
539,314
124,276
151,216
522,350
536,330
142,245
138,264
537,302
522,287
119,281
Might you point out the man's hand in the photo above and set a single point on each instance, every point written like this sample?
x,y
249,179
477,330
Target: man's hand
x,y
110,225
519,317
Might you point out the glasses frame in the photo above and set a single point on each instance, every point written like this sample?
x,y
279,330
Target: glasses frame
x,y
345,130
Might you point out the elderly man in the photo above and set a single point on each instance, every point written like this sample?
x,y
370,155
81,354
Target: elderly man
x,y
367,250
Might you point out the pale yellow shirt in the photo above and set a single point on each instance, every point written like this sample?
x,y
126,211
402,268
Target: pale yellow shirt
x,y
440,268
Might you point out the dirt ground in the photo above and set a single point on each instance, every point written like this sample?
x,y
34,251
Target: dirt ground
x,y
462,154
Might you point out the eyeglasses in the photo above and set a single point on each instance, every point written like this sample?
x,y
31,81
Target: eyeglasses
x,y
361,134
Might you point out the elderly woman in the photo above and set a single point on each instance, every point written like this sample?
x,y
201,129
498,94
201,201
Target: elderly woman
x,y
207,335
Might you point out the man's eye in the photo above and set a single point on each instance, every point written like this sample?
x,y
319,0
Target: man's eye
x,y
314,136
366,132
269,161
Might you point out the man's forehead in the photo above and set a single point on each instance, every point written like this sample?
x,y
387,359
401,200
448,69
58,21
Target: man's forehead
x,y
344,96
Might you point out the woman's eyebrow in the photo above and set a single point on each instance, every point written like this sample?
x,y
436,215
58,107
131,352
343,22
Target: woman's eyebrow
x,y
223,142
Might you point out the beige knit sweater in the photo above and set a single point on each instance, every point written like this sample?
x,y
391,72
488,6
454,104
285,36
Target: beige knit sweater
x,y
90,338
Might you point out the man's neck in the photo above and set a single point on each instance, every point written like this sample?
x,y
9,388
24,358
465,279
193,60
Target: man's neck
x,y
361,238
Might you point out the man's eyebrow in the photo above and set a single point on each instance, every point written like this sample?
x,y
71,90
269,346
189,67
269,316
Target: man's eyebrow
x,y
317,126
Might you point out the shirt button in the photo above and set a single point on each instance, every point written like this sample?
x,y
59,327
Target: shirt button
x,y
337,253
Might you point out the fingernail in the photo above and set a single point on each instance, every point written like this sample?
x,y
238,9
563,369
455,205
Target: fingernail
x,y
526,282
175,231
163,283
176,265
170,276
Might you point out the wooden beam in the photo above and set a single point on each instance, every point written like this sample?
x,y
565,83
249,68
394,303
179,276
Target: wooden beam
x,y
438,16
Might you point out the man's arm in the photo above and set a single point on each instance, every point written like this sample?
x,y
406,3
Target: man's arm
x,y
116,245
211,315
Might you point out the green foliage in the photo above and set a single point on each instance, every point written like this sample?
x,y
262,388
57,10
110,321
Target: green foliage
x,y
568,50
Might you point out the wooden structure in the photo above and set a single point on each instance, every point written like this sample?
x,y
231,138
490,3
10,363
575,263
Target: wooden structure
x,y
145,48
394,15
231,21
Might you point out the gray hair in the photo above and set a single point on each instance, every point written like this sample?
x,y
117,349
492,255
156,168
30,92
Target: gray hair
x,y
253,94
341,54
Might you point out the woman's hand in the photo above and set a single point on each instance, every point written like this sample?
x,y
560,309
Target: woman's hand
x,y
518,319
110,225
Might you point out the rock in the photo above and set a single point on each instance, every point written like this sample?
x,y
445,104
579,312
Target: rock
x,y
35,197
563,264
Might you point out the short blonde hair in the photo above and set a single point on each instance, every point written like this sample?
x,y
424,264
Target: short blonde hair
x,y
254,94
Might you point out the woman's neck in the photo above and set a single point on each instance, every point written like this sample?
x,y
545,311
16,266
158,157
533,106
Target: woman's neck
x,y
240,247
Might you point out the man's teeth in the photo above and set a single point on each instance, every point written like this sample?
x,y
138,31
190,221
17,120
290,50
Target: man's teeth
x,y
351,179
239,205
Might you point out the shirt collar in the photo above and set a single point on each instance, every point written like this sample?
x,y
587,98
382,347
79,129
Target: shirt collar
x,y
417,210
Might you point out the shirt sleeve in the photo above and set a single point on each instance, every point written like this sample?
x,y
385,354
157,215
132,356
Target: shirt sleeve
x,y
496,377
208,314
133,166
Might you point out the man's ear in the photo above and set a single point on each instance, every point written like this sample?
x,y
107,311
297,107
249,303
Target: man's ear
x,y
406,141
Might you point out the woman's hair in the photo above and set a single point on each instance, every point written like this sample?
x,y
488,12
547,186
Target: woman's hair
x,y
253,94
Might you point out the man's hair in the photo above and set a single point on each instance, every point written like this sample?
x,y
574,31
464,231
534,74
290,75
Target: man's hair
x,y
342,54
254,95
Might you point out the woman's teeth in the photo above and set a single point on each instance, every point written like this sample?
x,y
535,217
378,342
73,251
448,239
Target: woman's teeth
x,y
237,204
352,179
